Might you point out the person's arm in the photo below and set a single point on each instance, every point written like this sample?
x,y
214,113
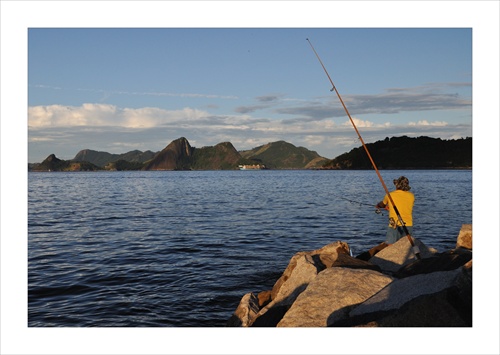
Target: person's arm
x,y
381,204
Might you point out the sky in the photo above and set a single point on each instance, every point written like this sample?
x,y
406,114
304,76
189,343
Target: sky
x,y
121,89
83,74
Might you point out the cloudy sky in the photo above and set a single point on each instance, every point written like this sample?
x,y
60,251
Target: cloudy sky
x,y
120,89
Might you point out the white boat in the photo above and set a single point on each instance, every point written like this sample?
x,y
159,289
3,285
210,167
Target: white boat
x,y
252,167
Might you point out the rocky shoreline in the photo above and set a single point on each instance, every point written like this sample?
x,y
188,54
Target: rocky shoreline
x,y
386,286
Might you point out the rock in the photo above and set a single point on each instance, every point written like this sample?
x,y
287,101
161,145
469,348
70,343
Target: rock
x,y
328,287
393,257
321,258
302,269
448,305
295,275
451,260
315,306
464,239
442,298
367,255
347,261
464,286
401,291
245,312
332,249
264,298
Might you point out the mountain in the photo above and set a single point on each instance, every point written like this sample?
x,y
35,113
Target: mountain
x,y
52,163
390,153
175,156
179,155
103,158
408,153
284,155
222,156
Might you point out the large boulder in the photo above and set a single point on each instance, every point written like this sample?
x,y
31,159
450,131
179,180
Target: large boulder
x,y
393,257
328,297
446,261
438,299
319,258
303,268
304,271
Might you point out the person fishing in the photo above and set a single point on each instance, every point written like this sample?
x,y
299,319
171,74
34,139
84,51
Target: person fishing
x,y
394,213
404,201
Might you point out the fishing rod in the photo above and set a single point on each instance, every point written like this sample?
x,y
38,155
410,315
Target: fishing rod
x,y
403,225
377,210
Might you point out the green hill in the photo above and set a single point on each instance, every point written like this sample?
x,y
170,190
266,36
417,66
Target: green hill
x,y
104,158
52,163
284,155
408,153
222,156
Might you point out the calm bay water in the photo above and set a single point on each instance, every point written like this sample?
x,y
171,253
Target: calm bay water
x,y
180,248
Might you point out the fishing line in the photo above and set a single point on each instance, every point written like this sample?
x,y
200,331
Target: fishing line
x,y
377,210
403,225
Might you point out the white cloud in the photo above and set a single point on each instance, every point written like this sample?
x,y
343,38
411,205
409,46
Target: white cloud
x,y
99,115
41,139
360,123
68,116
427,123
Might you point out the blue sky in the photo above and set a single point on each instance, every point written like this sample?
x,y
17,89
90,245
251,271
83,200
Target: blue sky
x,y
120,89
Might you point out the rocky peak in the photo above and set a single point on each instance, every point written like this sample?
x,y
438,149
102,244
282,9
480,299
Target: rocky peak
x,y
174,156
52,159
180,147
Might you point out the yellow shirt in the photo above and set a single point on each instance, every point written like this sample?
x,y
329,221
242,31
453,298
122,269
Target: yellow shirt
x,y
404,202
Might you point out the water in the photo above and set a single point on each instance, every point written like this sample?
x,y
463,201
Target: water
x,y
180,248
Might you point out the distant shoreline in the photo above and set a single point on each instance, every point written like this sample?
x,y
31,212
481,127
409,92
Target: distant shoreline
x,y
313,169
